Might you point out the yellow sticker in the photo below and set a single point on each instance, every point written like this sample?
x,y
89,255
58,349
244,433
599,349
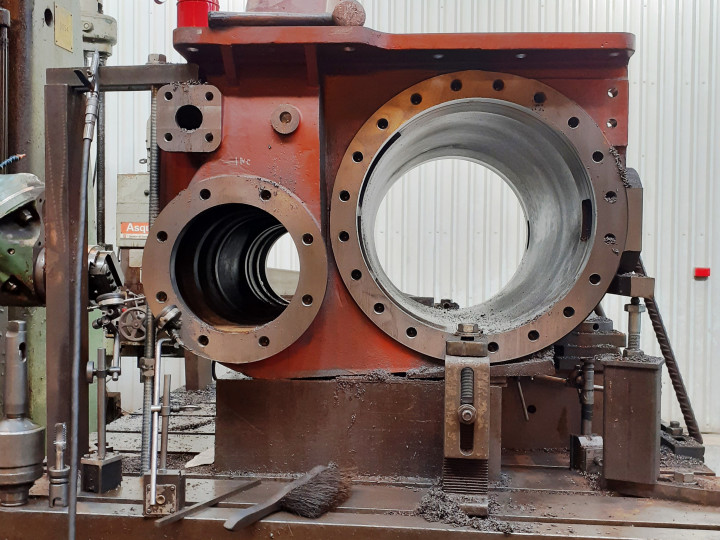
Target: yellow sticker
x,y
63,28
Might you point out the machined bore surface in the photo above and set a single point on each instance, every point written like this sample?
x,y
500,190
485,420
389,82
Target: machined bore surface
x,y
554,157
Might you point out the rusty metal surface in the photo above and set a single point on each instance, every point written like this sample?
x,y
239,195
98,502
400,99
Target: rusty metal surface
x,y
467,384
631,426
553,413
573,509
127,78
351,414
373,427
704,491
64,115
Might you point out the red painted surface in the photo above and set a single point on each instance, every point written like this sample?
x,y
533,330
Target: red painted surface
x,y
702,272
337,77
194,13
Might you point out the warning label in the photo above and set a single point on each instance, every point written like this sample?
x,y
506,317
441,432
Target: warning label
x,y
134,230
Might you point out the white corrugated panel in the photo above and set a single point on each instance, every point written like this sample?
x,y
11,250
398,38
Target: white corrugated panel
x,y
674,129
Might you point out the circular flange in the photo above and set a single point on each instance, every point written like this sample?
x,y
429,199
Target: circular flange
x,y
258,212
560,166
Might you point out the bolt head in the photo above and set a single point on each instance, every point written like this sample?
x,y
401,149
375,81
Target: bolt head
x,y
468,328
635,308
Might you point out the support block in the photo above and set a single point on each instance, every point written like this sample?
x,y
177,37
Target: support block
x,y
101,475
632,420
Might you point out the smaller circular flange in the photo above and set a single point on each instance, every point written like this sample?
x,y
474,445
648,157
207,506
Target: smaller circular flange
x,y
210,335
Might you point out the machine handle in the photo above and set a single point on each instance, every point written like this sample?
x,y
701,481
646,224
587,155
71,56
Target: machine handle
x,y
247,516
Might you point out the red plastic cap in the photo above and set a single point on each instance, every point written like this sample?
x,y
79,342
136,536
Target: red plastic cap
x,y
194,13
702,272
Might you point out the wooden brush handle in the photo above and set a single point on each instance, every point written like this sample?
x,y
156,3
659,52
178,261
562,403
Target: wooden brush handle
x,y
248,516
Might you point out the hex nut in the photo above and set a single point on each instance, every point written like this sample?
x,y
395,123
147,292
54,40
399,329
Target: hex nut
x,y
467,328
467,414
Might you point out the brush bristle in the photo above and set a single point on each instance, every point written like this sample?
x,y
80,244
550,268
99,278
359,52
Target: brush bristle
x,y
323,492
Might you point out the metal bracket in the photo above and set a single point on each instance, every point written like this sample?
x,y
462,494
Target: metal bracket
x,y
170,494
189,118
467,419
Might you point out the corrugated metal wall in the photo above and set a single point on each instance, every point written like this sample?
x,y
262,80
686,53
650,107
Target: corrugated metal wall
x,y
674,134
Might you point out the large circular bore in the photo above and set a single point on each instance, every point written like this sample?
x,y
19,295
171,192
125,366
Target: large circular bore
x,y
541,167
206,253
556,172
219,265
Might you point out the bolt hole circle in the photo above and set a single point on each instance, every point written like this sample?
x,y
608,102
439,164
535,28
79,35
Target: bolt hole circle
x,y
595,279
307,239
568,312
161,236
532,409
209,137
161,297
307,300
611,123
168,96
48,17
209,96
411,332
383,123
596,327
168,137
264,341
285,117
379,308
204,194
356,274
357,157
598,156
539,98
344,236
11,251
203,340
265,194
493,347
456,85
611,196
573,122
416,99
612,92
344,195
498,84
533,335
